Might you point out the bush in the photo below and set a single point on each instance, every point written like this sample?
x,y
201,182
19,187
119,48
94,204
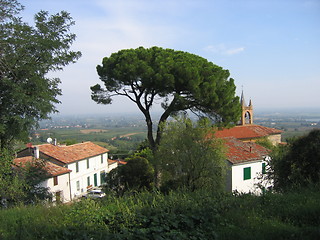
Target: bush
x,y
297,164
177,215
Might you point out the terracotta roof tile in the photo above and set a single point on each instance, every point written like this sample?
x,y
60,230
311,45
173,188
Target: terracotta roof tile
x,y
247,132
240,152
110,161
72,153
51,168
120,162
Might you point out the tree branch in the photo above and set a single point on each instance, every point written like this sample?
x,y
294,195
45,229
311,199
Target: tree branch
x,y
164,118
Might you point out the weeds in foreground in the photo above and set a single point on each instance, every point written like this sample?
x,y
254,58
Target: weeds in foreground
x,y
178,215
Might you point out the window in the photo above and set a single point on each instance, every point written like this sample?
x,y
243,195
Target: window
x,y
246,173
263,168
55,180
101,158
78,186
88,164
77,166
88,181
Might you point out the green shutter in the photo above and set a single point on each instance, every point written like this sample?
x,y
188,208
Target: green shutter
x,y
95,180
102,177
88,181
246,173
263,168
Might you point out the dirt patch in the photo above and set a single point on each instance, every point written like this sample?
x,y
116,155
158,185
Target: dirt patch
x,y
85,131
130,134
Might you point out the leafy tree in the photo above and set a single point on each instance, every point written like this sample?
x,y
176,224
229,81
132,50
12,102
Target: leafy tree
x,y
9,9
182,81
28,54
20,183
144,152
190,159
11,185
32,174
137,174
298,163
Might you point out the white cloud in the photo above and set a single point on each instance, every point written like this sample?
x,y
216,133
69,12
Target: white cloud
x,y
223,50
220,48
234,51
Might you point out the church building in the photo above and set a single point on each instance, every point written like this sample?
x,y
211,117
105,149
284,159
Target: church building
x,y
246,131
247,160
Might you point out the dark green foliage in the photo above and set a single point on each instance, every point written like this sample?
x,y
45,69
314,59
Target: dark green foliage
x,y
28,54
298,163
32,174
9,9
177,215
12,187
189,156
20,184
137,175
183,81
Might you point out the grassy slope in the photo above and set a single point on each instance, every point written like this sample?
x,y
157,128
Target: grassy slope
x,y
176,216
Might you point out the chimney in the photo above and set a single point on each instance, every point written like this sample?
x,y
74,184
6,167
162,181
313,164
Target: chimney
x,y
36,152
250,148
55,142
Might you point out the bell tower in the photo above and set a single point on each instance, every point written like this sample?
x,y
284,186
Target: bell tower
x,y
247,111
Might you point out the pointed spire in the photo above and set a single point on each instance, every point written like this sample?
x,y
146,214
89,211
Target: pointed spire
x,y
247,111
242,101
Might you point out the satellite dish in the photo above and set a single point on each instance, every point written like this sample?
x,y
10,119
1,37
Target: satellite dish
x,y
49,140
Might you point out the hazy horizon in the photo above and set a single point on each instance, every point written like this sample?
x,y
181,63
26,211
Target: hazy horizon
x,y
276,111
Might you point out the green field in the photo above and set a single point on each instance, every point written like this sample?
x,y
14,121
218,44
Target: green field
x,y
117,140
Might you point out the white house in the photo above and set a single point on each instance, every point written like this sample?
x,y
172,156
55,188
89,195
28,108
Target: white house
x,y
58,181
87,162
246,164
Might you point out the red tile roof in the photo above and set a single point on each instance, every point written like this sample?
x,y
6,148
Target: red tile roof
x,y
247,132
72,153
51,168
110,161
117,161
122,162
240,152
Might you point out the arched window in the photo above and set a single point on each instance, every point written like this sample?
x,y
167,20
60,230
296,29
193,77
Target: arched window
x,y
247,118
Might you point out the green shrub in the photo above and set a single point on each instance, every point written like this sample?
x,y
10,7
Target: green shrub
x,y
177,215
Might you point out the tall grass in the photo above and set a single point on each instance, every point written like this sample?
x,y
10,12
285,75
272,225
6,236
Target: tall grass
x,y
177,215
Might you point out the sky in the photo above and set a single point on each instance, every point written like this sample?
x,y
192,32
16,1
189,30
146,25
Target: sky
x,y
270,47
